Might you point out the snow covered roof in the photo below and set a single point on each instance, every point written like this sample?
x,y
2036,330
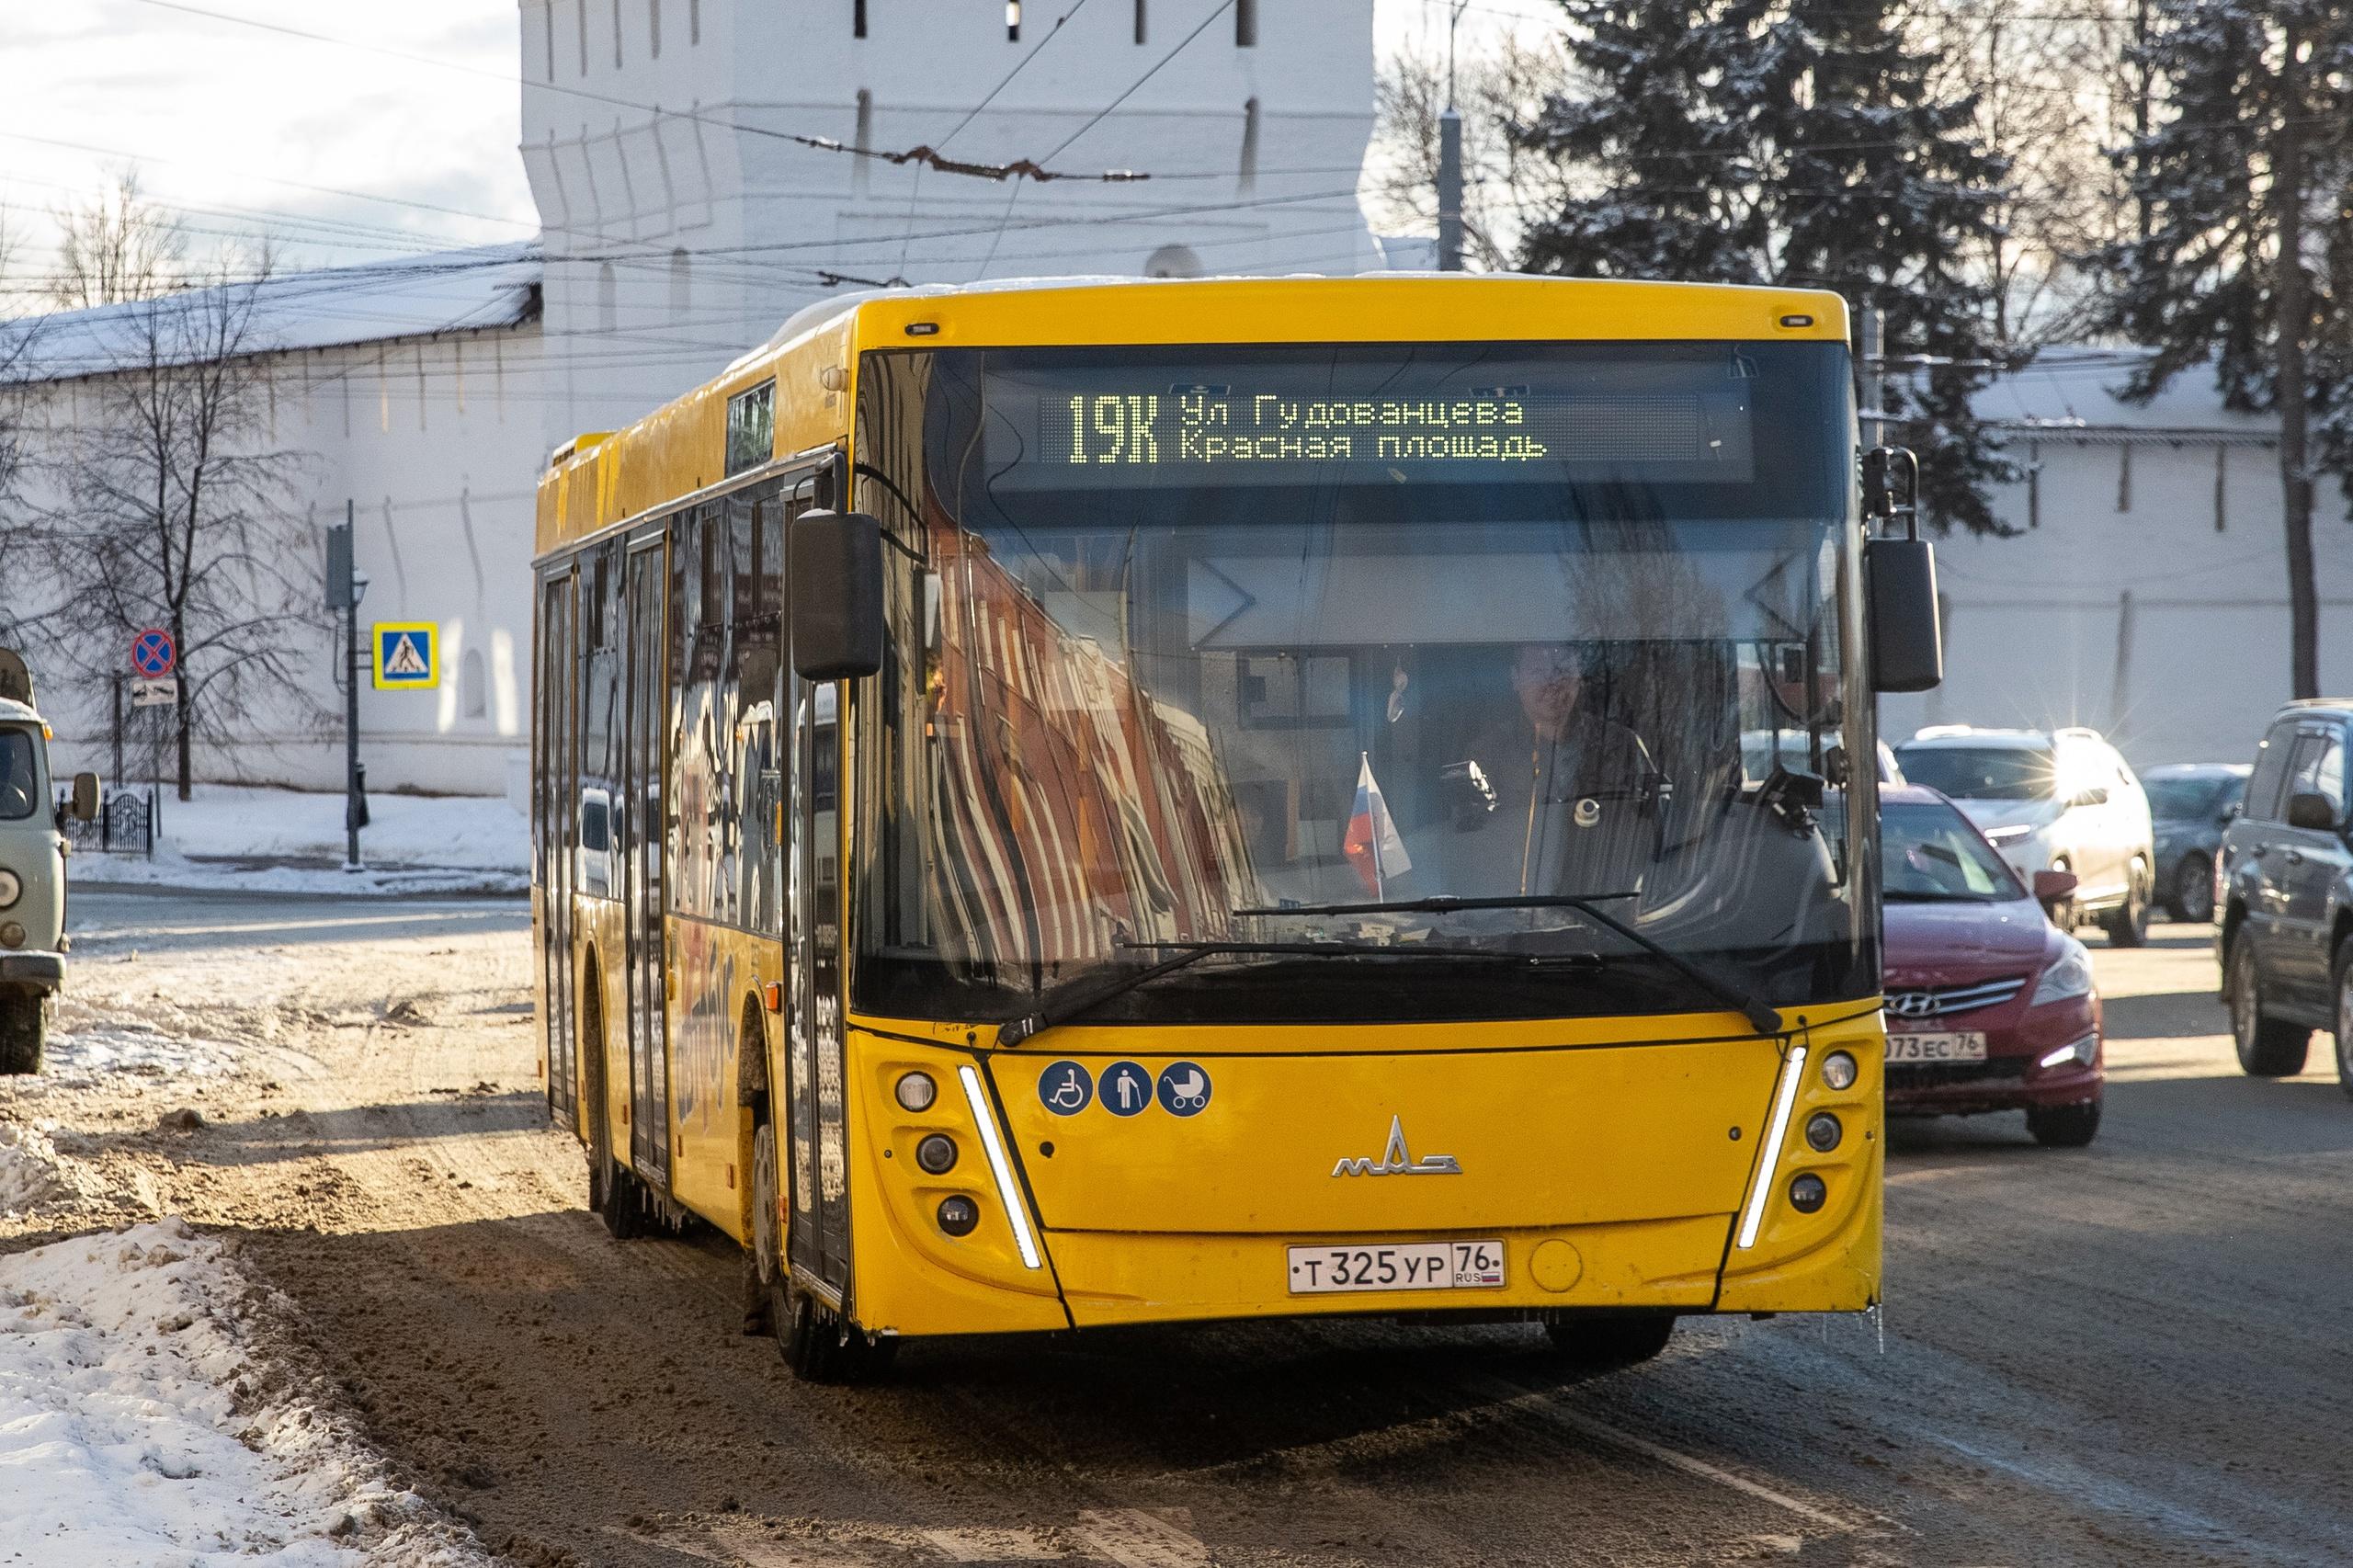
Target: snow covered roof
x,y
413,296
2070,390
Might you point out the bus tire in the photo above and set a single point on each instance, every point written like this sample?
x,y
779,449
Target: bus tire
x,y
820,1347
1610,1339
24,1030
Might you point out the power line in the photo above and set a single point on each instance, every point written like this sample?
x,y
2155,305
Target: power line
x,y
1025,167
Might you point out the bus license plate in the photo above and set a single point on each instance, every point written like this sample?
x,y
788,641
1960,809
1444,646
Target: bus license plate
x,y
1415,1265
1966,1045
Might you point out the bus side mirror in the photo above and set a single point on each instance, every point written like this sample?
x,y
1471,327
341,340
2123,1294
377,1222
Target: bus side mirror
x,y
86,798
1900,609
836,575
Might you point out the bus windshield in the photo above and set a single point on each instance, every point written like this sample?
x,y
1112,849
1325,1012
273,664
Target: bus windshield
x,y
1252,647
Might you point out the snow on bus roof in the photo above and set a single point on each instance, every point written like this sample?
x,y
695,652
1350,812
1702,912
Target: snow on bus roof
x,y
414,296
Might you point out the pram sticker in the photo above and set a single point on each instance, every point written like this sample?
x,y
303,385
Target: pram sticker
x,y
1184,1089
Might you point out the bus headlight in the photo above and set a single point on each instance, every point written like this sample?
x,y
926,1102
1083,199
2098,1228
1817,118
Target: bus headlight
x,y
937,1153
958,1215
1808,1193
11,889
1838,1070
1823,1132
917,1091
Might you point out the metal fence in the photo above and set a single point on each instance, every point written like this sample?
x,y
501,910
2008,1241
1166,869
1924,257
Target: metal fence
x,y
125,823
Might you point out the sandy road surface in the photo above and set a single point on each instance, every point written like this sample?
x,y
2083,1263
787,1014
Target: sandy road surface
x,y
2142,1352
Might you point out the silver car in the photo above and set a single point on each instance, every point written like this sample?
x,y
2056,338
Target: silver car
x,y
32,872
2058,801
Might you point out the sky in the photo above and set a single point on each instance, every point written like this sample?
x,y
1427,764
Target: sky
x,y
346,153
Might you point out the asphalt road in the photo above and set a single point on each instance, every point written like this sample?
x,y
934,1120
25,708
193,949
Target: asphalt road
x,y
2137,1353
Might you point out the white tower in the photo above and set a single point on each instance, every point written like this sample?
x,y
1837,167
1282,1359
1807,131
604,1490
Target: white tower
x,y
683,223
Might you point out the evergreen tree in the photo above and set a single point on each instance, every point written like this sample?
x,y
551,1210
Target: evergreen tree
x,y
1796,143
2246,263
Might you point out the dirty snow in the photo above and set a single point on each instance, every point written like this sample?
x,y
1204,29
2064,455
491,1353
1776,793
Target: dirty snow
x,y
28,1166
129,1045
143,1420
261,840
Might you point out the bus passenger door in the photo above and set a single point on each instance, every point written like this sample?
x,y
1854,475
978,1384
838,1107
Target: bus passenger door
x,y
555,782
645,704
819,1235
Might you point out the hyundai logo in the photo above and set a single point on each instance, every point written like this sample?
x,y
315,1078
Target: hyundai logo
x,y
1914,1005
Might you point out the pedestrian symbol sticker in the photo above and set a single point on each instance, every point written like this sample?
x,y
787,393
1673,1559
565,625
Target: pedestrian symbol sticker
x,y
1184,1089
1066,1088
1127,1088
407,655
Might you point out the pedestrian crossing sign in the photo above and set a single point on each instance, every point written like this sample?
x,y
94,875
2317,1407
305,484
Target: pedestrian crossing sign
x,y
408,656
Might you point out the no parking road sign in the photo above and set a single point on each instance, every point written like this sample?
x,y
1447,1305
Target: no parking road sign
x,y
407,655
153,653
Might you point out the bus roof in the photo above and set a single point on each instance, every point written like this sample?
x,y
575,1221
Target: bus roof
x,y
598,479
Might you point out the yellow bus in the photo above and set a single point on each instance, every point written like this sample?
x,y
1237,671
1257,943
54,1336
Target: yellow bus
x,y
1102,802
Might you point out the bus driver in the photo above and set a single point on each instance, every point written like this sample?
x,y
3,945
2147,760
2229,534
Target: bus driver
x,y
1554,798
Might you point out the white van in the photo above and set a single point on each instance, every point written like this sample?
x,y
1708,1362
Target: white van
x,y
32,871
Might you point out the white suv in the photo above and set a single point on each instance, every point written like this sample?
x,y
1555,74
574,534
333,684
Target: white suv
x,y
2061,801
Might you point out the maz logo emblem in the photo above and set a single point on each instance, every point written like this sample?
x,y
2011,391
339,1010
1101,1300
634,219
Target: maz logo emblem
x,y
1397,1160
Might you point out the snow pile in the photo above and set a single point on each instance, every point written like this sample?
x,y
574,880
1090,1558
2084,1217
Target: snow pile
x,y
29,1168
292,841
139,1424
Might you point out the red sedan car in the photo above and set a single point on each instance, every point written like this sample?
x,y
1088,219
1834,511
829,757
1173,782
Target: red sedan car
x,y
1989,1005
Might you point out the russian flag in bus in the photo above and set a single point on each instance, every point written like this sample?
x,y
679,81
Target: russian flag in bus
x,y
1372,846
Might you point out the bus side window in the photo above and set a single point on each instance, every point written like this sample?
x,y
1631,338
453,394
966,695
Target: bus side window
x,y
599,719
756,523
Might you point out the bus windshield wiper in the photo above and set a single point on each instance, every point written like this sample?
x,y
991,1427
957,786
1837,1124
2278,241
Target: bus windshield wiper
x,y
1063,1006
1759,1013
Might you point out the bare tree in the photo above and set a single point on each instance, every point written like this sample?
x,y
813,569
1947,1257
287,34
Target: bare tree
x,y
115,248
1502,186
2051,94
16,348
175,509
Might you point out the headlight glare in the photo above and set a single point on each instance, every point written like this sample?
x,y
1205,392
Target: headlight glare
x,y
1999,836
1838,1070
2069,976
917,1091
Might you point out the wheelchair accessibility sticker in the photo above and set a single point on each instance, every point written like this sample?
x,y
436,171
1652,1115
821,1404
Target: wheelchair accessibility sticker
x,y
1184,1089
1066,1088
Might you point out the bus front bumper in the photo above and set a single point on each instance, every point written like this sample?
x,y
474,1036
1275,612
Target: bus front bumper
x,y
1633,1178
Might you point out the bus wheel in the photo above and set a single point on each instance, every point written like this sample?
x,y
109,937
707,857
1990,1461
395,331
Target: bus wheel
x,y
1610,1339
24,1024
820,1347
624,1208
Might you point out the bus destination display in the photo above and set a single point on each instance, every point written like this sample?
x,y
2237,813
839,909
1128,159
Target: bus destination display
x,y
1236,433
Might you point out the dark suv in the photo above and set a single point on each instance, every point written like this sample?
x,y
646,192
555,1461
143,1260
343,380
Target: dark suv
x,y
2285,895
